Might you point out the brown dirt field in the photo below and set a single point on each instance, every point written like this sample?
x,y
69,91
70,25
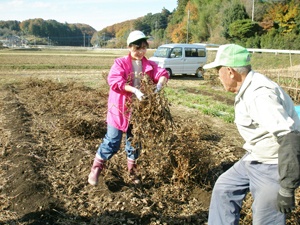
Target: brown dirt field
x,y
50,134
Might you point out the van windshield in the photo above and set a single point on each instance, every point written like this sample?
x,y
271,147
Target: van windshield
x,y
162,52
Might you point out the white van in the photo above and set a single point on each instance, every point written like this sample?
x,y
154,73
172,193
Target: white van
x,y
187,59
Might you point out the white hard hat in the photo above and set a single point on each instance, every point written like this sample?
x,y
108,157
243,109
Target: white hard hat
x,y
134,36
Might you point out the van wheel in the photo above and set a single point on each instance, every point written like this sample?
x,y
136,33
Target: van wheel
x,y
199,73
169,72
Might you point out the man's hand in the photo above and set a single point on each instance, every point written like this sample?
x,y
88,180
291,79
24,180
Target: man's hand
x,y
285,201
138,94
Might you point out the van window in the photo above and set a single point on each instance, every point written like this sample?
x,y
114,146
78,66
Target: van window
x,y
176,52
201,52
195,52
162,52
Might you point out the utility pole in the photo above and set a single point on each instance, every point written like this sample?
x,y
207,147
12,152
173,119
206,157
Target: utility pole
x,y
83,39
187,32
155,35
104,39
252,10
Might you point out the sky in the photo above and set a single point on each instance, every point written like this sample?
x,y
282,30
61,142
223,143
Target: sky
x,y
96,13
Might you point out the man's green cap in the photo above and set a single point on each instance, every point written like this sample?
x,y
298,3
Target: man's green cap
x,y
230,55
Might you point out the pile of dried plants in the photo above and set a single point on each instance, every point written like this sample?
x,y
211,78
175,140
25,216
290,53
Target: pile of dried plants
x,y
172,145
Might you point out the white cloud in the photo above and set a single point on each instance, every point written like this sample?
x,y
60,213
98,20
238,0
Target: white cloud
x,y
15,3
40,5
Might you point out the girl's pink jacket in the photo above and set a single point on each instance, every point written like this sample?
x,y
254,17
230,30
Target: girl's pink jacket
x,y
119,75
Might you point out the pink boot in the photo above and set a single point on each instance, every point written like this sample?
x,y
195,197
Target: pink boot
x,y
133,172
98,166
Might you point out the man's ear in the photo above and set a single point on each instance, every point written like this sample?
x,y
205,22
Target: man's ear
x,y
235,75
231,72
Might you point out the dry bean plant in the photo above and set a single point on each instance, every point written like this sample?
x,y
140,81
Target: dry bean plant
x,y
172,145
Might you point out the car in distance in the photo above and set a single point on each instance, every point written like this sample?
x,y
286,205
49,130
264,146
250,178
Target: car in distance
x,y
184,59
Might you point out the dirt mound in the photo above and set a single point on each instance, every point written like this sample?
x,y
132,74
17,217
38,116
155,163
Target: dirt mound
x,y
50,133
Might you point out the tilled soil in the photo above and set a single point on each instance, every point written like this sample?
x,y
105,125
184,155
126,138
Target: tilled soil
x,y
50,134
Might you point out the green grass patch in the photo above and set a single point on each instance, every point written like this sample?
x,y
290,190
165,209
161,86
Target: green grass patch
x,y
205,104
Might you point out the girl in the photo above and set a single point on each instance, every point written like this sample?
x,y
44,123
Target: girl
x,y
124,80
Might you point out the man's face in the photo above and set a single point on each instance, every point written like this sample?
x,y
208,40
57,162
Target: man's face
x,y
227,77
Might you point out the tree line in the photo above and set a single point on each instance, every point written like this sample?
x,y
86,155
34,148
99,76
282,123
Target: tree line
x,y
48,32
251,23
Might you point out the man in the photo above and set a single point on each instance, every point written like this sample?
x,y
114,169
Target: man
x,y
266,119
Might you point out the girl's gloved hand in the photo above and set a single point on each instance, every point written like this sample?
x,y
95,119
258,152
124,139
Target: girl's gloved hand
x,y
158,87
138,94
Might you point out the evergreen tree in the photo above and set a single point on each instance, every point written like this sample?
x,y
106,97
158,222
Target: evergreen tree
x,y
231,14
